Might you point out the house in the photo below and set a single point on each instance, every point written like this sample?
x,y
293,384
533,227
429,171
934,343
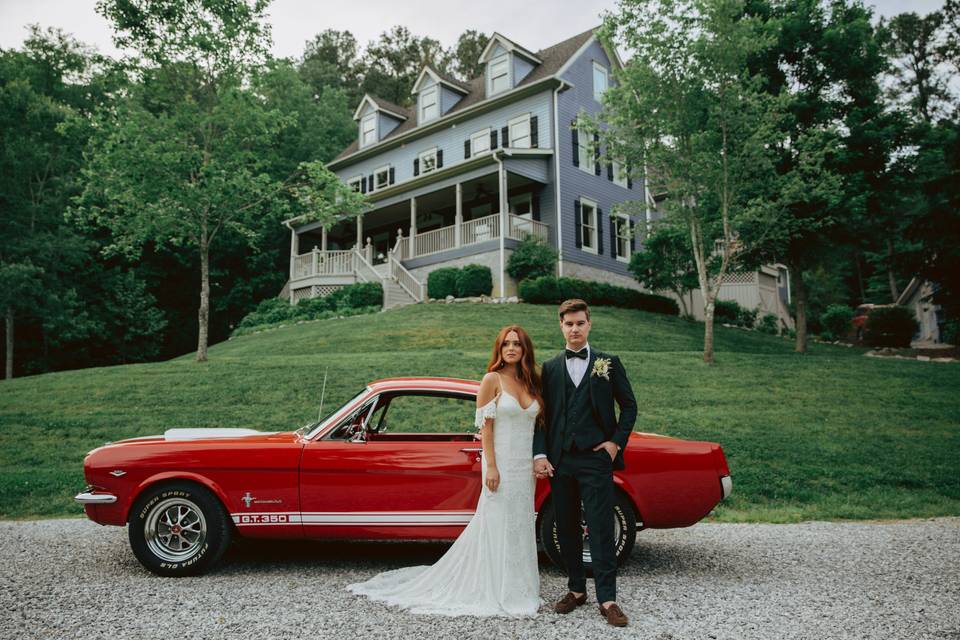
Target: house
x,y
920,297
471,169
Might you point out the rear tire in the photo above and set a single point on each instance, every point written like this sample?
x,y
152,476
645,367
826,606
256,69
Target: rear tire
x,y
624,531
178,529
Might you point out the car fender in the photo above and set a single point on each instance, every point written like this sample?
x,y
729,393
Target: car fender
x,y
165,476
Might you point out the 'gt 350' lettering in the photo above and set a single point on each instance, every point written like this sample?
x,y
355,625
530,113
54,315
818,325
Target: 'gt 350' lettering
x,y
265,518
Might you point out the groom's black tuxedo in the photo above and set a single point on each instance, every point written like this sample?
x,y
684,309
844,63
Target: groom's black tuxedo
x,y
602,394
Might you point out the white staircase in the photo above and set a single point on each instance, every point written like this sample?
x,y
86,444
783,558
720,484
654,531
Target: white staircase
x,y
395,296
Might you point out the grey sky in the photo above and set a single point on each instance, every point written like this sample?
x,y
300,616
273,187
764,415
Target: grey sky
x,y
532,23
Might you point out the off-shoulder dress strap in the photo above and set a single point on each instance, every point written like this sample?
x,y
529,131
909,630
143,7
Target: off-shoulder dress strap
x,y
488,410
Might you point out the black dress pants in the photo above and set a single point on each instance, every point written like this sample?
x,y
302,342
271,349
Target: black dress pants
x,y
587,476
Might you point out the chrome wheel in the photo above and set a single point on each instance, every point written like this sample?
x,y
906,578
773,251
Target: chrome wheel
x,y
175,529
617,535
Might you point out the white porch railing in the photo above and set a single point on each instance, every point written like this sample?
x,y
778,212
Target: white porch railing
x,y
480,229
434,241
405,279
522,228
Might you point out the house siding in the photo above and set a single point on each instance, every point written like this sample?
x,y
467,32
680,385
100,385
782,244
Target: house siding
x,y
521,67
576,183
448,98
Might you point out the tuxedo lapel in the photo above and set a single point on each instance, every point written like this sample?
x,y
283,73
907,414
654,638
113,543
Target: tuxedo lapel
x,y
560,381
587,375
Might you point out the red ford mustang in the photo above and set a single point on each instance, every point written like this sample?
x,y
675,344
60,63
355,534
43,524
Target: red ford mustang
x,y
186,493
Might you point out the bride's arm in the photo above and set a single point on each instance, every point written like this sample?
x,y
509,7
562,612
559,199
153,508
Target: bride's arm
x,y
488,391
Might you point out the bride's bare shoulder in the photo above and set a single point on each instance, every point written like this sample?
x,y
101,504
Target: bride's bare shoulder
x,y
489,386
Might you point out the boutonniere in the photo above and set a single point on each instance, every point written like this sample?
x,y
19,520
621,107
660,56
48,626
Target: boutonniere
x,y
601,368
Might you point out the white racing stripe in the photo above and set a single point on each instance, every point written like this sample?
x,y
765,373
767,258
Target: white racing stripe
x,y
354,518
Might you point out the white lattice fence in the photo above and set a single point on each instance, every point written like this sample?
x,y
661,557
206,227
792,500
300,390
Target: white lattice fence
x,y
302,293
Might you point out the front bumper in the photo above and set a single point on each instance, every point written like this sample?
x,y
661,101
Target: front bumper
x,y
726,484
88,497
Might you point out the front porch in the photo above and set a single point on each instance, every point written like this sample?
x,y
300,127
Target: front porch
x,y
401,234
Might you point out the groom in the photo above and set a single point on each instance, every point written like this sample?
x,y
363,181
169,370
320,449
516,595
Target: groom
x,y
579,449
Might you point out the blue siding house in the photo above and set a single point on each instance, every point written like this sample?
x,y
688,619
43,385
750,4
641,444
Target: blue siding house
x,y
471,169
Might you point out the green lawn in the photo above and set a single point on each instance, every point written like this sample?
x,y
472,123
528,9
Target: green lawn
x,y
828,435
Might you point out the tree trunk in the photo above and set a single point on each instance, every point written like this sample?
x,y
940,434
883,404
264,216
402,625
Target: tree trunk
x,y
894,293
800,302
9,358
203,315
708,308
683,303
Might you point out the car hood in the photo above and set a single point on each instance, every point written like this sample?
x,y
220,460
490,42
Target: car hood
x,y
186,435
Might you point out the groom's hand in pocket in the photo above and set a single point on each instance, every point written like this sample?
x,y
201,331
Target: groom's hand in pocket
x,y
611,448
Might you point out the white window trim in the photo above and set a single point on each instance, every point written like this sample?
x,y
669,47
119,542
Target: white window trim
x,y
606,77
626,218
509,74
376,172
619,175
525,118
474,136
355,180
432,152
435,92
584,227
370,117
584,150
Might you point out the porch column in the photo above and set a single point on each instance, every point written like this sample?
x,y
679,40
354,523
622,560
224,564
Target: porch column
x,y
502,188
294,250
413,228
323,240
458,220
359,232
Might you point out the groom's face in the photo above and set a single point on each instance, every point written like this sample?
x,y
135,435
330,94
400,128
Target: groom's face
x,y
575,327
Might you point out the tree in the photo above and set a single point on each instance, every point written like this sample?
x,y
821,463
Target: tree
x,y
665,263
912,45
330,61
392,63
466,54
686,108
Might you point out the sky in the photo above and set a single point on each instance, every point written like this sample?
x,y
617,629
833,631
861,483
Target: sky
x,y
534,24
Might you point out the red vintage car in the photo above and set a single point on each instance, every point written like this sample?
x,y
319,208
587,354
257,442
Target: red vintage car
x,y
185,494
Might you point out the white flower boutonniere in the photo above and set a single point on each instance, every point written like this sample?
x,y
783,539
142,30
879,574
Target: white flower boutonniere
x,y
601,367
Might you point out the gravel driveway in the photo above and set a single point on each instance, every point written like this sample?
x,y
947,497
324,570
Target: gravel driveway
x,y
76,579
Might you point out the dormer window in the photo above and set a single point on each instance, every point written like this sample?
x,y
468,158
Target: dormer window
x,y
368,129
429,104
599,81
500,73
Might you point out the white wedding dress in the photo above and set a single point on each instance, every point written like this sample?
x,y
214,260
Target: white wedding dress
x,y
491,569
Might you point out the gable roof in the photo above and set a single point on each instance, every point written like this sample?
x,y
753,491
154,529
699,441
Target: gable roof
x,y
509,45
553,59
440,78
395,110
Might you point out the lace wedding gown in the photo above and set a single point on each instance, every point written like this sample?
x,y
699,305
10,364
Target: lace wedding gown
x,y
491,569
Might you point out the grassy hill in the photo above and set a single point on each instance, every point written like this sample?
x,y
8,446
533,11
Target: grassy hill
x,y
828,435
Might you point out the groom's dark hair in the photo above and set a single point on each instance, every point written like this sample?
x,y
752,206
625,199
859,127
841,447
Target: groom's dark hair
x,y
572,306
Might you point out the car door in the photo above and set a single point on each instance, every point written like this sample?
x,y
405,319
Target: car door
x,y
417,477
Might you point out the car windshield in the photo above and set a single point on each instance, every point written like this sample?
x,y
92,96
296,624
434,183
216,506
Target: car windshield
x,y
309,430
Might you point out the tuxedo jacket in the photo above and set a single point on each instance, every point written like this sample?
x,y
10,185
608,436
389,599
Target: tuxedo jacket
x,y
603,393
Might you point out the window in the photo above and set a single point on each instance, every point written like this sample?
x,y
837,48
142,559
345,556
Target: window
x,y
599,81
622,222
585,151
368,129
520,132
354,183
588,225
381,177
428,160
429,109
619,175
522,205
500,73
480,142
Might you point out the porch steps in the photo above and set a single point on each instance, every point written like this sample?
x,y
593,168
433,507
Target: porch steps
x,y
395,296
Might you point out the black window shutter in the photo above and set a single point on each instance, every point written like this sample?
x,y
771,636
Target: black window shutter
x,y
416,166
535,207
534,133
610,171
392,176
629,178
600,231
614,245
596,153
363,184
505,136
493,139
439,158
466,149
576,145
577,225
370,185
633,236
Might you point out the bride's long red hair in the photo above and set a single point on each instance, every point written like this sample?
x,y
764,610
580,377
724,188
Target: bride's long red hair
x,y
527,373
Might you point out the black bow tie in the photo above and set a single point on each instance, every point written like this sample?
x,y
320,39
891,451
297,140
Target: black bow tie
x,y
582,354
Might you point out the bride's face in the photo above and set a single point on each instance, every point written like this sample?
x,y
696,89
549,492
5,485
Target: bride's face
x,y
511,350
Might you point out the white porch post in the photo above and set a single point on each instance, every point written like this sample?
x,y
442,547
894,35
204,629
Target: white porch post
x,y
323,240
294,250
501,183
359,232
458,220
413,228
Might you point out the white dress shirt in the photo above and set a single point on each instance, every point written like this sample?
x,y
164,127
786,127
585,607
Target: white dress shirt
x,y
576,368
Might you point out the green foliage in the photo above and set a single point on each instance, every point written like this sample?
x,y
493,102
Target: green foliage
x,y
727,311
474,280
366,296
551,290
665,262
355,296
889,327
768,324
442,282
532,258
836,321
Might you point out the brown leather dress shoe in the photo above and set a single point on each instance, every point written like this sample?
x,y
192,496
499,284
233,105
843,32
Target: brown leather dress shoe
x,y
614,615
569,602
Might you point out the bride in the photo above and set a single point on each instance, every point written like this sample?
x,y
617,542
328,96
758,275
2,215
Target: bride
x,y
491,569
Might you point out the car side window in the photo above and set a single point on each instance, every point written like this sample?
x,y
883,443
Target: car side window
x,y
349,425
425,414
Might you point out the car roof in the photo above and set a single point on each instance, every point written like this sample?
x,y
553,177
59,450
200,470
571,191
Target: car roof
x,y
426,384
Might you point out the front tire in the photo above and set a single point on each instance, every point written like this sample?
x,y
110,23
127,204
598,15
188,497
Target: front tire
x,y
624,533
178,529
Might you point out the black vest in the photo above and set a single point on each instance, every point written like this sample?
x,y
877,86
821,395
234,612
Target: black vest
x,y
579,427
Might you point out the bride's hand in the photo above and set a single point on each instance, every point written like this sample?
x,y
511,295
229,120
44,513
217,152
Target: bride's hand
x,y
493,478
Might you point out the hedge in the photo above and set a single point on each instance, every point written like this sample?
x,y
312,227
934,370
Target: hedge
x,y
551,290
442,283
365,295
532,258
471,280
889,327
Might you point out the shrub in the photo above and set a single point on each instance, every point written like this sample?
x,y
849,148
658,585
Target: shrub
x,y
442,282
950,332
835,321
747,317
542,290
355,296
532,258
768,324
727,311
474,280
550,290
889,327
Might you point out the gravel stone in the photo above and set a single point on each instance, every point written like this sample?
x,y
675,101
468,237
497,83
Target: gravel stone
x,y
75,579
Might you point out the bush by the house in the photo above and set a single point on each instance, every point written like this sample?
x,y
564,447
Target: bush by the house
x,y
365,296
474,280
730,312
442,283
889,327
767,324
835,321
532,258
551,290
